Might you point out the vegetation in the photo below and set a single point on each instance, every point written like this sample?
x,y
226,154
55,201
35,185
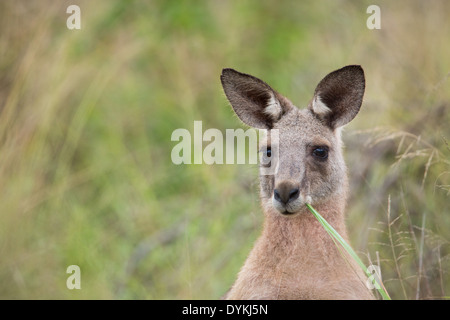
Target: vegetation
x,y
86,118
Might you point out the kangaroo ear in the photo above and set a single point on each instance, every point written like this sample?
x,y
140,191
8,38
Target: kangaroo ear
x,y
338,97
253,100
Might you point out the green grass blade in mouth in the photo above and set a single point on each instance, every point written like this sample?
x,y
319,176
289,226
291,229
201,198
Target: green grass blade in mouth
x,y
332,232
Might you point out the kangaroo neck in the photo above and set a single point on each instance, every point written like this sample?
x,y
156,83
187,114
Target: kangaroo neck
x,y
302,231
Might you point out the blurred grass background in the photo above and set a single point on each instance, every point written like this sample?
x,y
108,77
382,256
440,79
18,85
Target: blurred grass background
x,y
86,118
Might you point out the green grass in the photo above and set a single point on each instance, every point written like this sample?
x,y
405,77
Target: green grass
x,y
338,240
86,118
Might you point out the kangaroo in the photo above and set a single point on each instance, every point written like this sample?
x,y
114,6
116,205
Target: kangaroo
x,y
294,257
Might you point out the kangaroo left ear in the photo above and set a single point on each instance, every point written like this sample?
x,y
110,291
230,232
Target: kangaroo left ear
x,y
338,97
253,100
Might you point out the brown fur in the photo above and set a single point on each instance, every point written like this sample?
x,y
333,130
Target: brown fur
x,y
294,258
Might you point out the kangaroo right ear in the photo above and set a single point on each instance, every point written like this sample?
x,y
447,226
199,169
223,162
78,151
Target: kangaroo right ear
x,y
338,96
253,100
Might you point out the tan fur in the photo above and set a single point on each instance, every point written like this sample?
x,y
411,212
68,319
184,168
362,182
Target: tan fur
x,y
295,258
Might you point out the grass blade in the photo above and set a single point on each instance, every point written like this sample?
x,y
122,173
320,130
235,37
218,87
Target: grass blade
x,y
332,232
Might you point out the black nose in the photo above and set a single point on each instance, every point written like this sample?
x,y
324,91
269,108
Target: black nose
x,y
286,192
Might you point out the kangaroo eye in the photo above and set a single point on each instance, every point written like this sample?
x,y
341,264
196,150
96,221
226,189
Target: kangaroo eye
x,y
320,153
266,157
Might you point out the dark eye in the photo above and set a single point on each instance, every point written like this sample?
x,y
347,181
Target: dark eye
x,y
266,157
320,153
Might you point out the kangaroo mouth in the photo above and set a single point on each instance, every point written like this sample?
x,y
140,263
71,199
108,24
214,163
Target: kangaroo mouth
x,y
291,207
287,213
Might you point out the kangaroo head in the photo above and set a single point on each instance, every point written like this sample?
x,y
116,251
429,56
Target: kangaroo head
x,y
309,162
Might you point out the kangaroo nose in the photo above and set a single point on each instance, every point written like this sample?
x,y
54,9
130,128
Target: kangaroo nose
x,y
286,192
